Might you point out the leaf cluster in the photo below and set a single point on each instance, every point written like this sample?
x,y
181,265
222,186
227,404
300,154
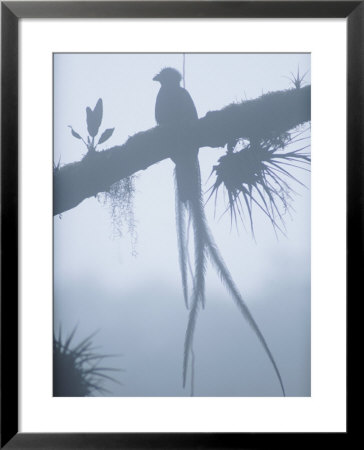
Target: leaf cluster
x,y
93,122
257,174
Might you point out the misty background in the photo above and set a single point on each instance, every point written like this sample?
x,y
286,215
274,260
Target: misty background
x,y
131,290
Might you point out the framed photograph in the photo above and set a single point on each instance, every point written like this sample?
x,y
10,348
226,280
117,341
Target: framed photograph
x,y
181,187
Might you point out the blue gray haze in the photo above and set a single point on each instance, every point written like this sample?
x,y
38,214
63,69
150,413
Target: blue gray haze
x,y
131,292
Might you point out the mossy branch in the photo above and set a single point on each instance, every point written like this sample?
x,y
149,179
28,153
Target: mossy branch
x,y
265,117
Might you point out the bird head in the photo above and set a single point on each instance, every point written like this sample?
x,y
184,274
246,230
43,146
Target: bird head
x,y
168,77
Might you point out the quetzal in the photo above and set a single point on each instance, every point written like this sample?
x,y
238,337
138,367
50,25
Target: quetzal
x,y
174,105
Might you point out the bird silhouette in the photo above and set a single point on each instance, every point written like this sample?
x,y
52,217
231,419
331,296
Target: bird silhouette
x,y
174,106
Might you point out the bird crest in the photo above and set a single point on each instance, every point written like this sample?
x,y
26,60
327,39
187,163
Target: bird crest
x,y
168,75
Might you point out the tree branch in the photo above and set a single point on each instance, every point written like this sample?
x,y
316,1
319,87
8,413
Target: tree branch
x,y
267,116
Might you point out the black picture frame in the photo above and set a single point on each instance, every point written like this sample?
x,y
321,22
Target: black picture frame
x,y
11,12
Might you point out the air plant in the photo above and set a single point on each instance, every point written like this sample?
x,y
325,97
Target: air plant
x,y
297,80
93,121
257,175
76,370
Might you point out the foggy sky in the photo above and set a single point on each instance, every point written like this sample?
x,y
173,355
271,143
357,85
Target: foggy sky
x,y
136,302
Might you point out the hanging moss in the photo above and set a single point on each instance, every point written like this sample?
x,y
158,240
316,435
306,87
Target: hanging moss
x,y
119,199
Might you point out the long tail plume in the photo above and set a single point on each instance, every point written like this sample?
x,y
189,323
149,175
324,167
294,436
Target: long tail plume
x,y
195,205
189,336
182,241
204,244
227,280
199,224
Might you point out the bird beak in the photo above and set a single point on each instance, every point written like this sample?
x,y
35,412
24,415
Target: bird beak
x,y
156,78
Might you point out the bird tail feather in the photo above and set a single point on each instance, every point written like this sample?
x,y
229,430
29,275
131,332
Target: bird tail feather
x,y
227,280
182,241
188,180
